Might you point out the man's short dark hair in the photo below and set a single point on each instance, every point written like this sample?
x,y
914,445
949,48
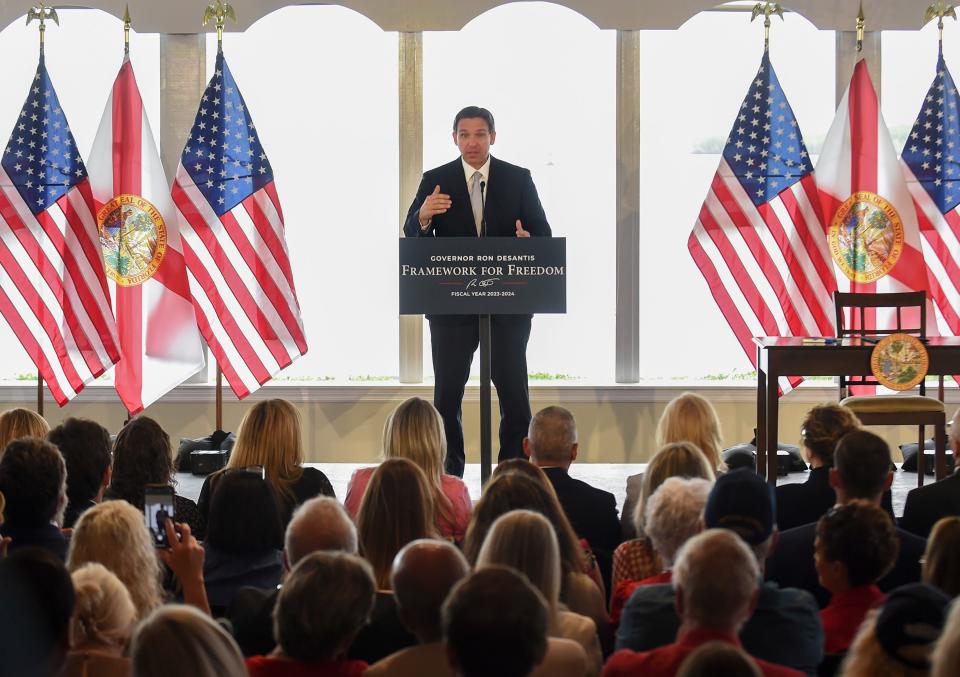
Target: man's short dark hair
x,y
37,598
496,624
861,535
862,460
85,446
32,476
474,112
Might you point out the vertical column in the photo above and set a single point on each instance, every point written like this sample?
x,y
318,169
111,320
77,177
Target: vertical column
x,y
847,57
628,207
411,168
183,76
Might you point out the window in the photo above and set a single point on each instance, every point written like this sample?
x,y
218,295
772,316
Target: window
x,y
549,83
324,98
83,56
693,81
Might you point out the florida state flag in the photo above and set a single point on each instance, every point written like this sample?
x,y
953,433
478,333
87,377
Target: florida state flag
x,y
868,213
159,340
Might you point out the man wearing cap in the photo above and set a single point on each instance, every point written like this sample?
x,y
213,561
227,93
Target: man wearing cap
x,y
861,469
927,505
785,626
713,606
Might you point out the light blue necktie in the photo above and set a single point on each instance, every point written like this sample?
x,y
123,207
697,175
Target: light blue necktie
x,y
476,200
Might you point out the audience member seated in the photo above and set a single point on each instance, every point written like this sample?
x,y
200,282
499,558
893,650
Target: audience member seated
x,y
861,470
686,418
319,524
927,504
941,560
551,444
856,545
115,535
415,431
244,538
581,586
673,515
946,655
898,639
33,480
397,509
525,541
496,623
803,503
785,625
178,640
324,602
717,659
142,455
36,596
269,437
102,623
423,573
17,423
636,559
85,446
716,579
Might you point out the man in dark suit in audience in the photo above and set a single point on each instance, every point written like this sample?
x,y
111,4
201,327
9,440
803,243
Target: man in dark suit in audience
x,y
861,470
926,505
33,479
552,444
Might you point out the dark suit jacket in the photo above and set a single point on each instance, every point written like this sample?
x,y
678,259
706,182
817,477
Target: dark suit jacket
x,y
928,504
791,564
592,512
803,503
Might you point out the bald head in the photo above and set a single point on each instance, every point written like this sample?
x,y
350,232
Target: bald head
x,y
552,437
320,524
423,573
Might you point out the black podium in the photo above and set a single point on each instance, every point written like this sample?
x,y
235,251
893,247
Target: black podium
x,y
483,276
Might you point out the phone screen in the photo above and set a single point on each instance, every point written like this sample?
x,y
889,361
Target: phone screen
x,y
157,507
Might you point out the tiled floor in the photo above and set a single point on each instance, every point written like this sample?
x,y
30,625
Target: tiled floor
x,y
609,476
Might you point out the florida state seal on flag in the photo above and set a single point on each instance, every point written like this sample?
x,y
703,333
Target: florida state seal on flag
x,y
159,338
868,213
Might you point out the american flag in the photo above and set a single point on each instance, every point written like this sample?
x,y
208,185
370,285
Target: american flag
x,y
759,240
932,167
234,242
53,290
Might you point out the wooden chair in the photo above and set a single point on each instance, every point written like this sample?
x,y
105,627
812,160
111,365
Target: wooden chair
x,y
918,410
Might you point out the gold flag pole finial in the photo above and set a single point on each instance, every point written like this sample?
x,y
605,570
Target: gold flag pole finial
x,y
126,30
766,9
937,11
219,11
42,12
861,22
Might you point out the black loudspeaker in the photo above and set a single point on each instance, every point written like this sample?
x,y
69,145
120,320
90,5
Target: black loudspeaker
x,y
206,461
205,455
745,456
909,452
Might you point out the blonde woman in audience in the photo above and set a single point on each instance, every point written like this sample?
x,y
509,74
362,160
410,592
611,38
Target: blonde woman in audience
x,y
580,588
115,535
946,655
21,422
179,640
415,431
637,559
269,437
686,418
898,639
397,508
527,542
941,559
103,620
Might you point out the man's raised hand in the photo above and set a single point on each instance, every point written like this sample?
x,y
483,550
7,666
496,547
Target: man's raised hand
x,y
520,231
435,203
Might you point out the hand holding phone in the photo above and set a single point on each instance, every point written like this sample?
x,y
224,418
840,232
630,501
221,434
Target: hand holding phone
x,y
157,509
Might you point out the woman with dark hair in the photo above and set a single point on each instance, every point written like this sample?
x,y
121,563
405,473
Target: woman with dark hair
x,y
142,455
244,538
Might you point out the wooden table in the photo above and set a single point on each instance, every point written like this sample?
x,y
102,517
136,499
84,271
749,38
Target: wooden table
x,y
779,356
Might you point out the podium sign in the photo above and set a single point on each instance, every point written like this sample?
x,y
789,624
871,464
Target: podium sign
x,y
477,276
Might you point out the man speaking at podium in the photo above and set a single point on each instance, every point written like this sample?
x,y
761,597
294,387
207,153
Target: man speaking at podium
x,y
477,195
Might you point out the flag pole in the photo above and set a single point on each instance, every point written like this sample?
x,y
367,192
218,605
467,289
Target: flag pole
x,y
39,394
126,31
766,9
937,11
219,11
861,25
219,398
